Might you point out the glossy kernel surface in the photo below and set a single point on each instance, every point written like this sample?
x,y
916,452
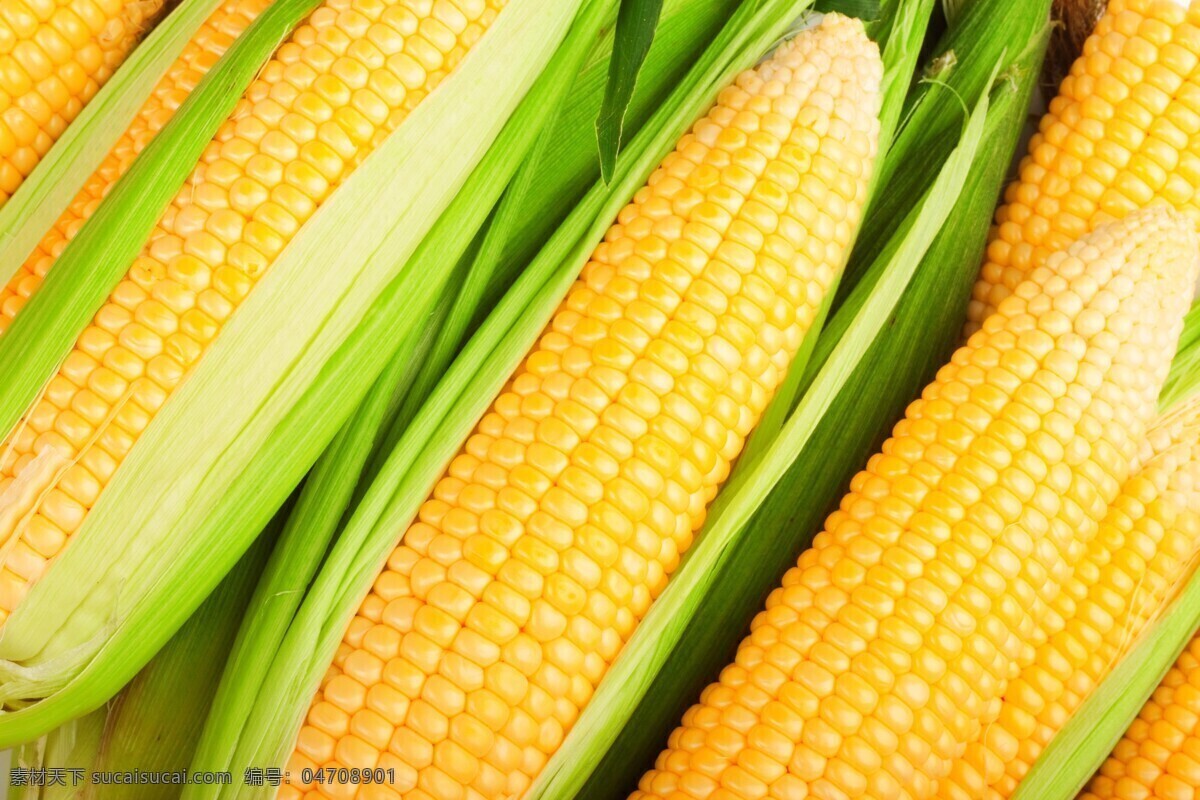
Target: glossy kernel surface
x,y
54,57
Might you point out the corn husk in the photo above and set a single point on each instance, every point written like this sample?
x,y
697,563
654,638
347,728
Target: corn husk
x,y
329,488
96,258
153,725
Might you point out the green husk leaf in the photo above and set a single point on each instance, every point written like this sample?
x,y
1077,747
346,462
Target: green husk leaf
x,y
866,10
469,385
1184,377
580,767
979,38
62,172
71,746
636,22
330,487
93,262
1078,750
154,724
953,9
283,389
300,550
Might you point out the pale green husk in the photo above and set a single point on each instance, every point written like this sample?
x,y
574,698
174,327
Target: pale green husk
x,y
58,177
1184,378
153,725
296,357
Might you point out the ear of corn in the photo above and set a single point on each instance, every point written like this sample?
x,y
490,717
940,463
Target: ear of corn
x,y
201,52
557,171
904,355
53,59
545,185
41,338
889,646
254,187
170,542
1119,136
904,34
486,636
481,370
642,659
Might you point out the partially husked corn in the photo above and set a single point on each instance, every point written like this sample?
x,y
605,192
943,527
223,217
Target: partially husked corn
x,y
560,521
890,646
54,56
345,78
1159,756
1146,545
1124,132
201,53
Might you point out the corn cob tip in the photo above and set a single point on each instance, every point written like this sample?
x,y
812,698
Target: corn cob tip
x,y
1157,242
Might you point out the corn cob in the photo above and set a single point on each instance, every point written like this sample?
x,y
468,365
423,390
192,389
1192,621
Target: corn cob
x,y
1145,546
343,81
1159,756
209,43
54,57
1123,132
890,645
553,530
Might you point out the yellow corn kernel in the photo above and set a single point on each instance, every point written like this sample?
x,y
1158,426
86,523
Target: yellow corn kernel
x,y
1122,133
198,264
893,641
200,54
54,57
1144,547
1159,756
553,531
